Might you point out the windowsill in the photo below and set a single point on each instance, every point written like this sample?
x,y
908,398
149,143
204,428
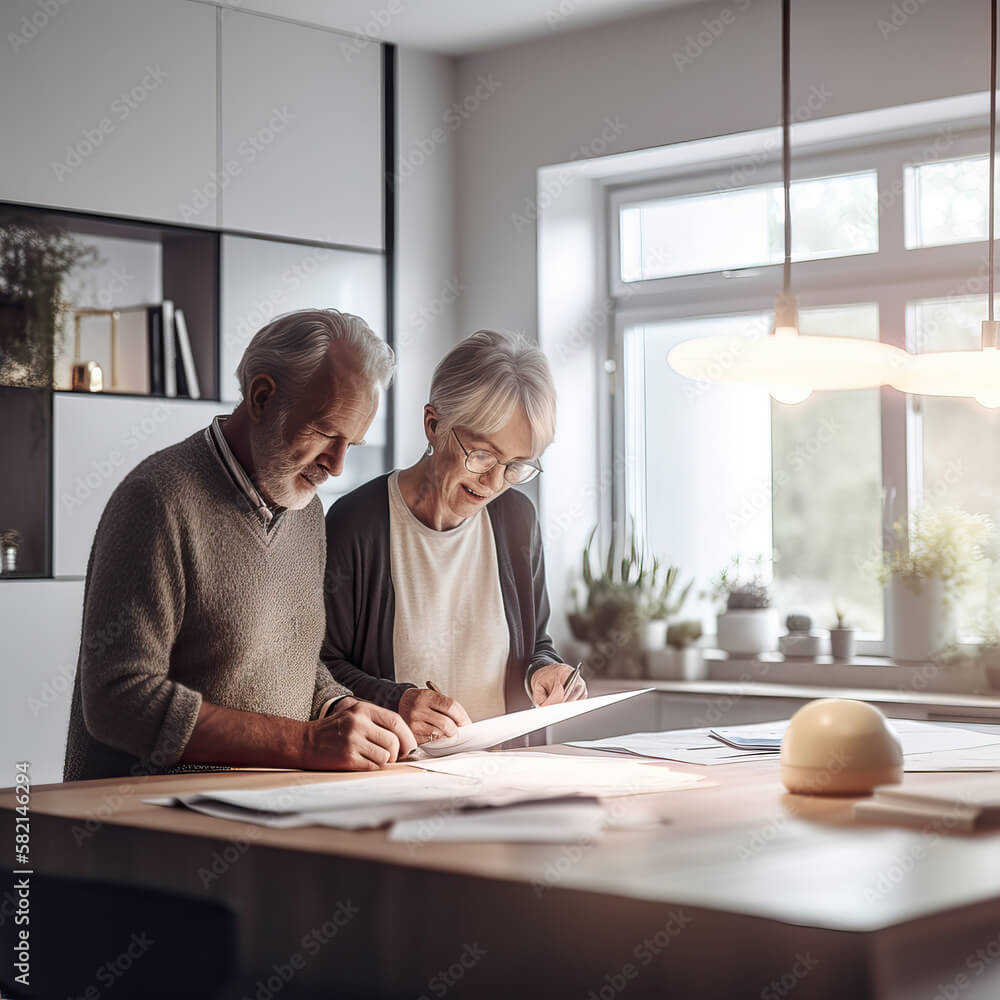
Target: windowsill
x,y
860,673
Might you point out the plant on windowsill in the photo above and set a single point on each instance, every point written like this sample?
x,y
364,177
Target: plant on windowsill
x,y
938,555
842,636
748,624
630,591
10,541
682,659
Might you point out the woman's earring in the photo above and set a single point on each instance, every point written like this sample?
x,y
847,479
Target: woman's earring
x,y
430,450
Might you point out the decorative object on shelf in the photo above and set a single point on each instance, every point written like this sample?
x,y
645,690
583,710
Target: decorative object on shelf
x,y
682,660
10,541
747,625
967,373
35,258
800,640
631,590
937,556
790,364
842,637
87,376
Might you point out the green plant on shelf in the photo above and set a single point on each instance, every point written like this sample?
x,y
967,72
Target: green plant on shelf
x,y
35,259
740,586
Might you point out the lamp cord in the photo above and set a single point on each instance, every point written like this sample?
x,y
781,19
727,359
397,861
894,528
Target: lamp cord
x,y
786,162
993,137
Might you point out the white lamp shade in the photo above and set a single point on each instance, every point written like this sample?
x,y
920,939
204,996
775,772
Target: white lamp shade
x,y
953,373
790,359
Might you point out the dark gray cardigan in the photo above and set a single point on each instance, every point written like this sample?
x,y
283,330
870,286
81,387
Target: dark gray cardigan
x,y
360,602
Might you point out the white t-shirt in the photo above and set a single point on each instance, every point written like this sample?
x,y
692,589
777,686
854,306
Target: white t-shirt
x,y
449,626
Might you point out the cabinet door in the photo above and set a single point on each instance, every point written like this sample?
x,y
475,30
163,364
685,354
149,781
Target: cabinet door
x,y
110,106
301,132
96,442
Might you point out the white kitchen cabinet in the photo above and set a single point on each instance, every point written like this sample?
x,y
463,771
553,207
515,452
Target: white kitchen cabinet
x,y
301,132
109,106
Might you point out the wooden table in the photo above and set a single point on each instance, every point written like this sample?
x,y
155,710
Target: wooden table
x,y
743,890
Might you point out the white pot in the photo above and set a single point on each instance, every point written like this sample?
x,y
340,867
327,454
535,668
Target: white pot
x,y
747,633
919,622
672,664
654,635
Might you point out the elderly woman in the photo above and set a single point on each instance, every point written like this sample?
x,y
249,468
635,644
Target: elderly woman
x,y
434,573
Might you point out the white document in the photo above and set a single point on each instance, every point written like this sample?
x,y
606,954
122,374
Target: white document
x,y
689,746
490,732
555,774
554,823
926,746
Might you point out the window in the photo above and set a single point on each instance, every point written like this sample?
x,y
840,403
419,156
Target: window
x,y
833,216
714,470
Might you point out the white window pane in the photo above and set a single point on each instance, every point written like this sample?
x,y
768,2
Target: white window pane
x,y
827,481
960,439
831,216
705,450
948,202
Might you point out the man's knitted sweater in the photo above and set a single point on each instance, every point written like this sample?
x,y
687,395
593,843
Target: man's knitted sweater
x,y
190,596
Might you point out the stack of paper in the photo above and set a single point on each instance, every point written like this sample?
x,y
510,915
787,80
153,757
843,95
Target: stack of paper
x,y
438,801
926,746
966,804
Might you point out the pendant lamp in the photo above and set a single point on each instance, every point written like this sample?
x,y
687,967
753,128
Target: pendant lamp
x,y
790,364
966,373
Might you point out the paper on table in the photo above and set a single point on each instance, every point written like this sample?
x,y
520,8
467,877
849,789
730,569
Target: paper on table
x,y
563,822
489,732
689,746
558,774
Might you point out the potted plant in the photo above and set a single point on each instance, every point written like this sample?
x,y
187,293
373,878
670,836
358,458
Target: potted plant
x,y
618,601
35,259
747,624
842,637
10,540
682,659
660,604
937,556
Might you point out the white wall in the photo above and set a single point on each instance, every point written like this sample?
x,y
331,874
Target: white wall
x,y
427,285
648,82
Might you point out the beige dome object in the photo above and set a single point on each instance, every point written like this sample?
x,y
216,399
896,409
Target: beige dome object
x,y
835,746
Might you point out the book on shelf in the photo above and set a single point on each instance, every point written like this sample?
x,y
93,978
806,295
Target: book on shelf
x,y
155,350
187,374
169,348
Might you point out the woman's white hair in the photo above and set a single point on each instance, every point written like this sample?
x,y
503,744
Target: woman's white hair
x,y
481,381
291,348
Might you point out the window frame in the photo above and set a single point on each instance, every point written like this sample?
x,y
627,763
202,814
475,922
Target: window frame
x,y
892,277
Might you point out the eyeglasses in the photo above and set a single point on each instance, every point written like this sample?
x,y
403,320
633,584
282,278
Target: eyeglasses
x,y
517,472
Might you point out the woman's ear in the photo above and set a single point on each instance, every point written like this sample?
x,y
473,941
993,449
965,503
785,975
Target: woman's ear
x,y
431,420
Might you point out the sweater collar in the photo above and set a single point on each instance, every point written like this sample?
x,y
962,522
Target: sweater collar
x,y
268,513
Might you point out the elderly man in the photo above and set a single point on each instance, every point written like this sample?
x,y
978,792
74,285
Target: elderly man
x,y
203,611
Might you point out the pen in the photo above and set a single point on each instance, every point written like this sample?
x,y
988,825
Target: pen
x,y
572,680
431,686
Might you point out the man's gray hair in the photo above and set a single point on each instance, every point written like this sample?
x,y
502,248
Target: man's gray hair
x,y
481,381
292,347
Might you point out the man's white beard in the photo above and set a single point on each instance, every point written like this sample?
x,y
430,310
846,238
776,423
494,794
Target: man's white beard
x,y
276,476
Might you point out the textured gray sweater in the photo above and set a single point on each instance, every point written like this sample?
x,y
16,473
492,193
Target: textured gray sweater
x,y
188,595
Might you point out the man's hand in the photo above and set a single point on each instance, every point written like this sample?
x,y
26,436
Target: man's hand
x,y
431,715
355,736
548,685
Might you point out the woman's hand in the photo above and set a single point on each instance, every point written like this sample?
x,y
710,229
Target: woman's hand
x,y
548,685
431,715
